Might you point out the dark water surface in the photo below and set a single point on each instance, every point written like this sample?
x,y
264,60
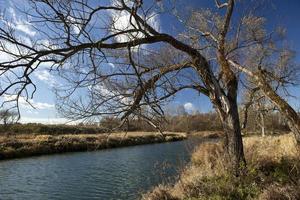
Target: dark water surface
x,y
121,173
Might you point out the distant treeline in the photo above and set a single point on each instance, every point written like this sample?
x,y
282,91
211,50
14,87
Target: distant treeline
x,y
35,128
274,122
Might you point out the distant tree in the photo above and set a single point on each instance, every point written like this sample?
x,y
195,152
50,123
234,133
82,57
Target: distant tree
x,y
110,123
180,110
256,102
8,117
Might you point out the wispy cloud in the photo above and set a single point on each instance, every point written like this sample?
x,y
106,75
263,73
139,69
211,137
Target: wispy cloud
x,y
30,104
45,76
48,120
19,23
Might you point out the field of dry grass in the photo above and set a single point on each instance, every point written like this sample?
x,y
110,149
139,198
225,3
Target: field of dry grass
x,y
208,134
273,173
21,145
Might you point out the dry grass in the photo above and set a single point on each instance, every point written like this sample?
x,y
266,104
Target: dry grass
x,y
279,192
272,148
273,172
209,134
30,144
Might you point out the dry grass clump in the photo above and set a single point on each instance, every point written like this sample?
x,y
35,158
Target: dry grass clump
x,y
272,148
210,158
278,192
160,193
273,172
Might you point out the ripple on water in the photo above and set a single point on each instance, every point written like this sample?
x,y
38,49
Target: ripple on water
x,y
120,173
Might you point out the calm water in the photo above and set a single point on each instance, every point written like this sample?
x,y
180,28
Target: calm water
x,y
122,173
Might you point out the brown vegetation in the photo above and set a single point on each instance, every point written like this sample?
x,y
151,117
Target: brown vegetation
x,y
190,123
273,172
28,145
43,129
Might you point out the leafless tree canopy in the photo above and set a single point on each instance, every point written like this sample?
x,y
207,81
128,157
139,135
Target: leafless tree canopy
x,y
113,59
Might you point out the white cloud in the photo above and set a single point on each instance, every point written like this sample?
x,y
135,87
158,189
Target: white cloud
x,y
122,22
32,112
40,105
24,104
105,92
129,3
7,47
25,40
45,76
75,24
101,89
46,44
49,120
111,64
189,107
19,23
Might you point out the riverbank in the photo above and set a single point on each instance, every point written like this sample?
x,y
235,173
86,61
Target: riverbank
x,y
273,172
24,145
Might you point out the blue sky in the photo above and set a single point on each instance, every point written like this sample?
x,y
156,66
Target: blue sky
x,y
278,12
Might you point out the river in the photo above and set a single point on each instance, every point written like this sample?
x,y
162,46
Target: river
x,y
120,173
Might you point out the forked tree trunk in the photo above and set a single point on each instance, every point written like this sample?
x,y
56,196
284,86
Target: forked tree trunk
x,y
286,110
230,119
226,106
233,140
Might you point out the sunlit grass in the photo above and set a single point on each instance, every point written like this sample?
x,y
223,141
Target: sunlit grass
x,y
273,172
21,145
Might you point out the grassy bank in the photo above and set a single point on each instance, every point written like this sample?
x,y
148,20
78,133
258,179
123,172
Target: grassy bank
x,y
23,145
273,173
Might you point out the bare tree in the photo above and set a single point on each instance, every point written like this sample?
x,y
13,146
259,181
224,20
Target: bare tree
x,y
270,67
256,101
113,60
254,51
8,117
83,38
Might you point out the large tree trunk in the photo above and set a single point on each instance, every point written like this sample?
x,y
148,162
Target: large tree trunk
x,y
230,119
233,139
286,110
225,104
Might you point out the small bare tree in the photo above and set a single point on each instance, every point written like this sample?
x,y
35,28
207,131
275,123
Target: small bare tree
x,y
8,117
258,103
272,70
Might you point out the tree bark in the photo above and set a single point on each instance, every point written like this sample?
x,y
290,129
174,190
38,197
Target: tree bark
x,y
262,124
286,110
225,104
233,138
230,119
